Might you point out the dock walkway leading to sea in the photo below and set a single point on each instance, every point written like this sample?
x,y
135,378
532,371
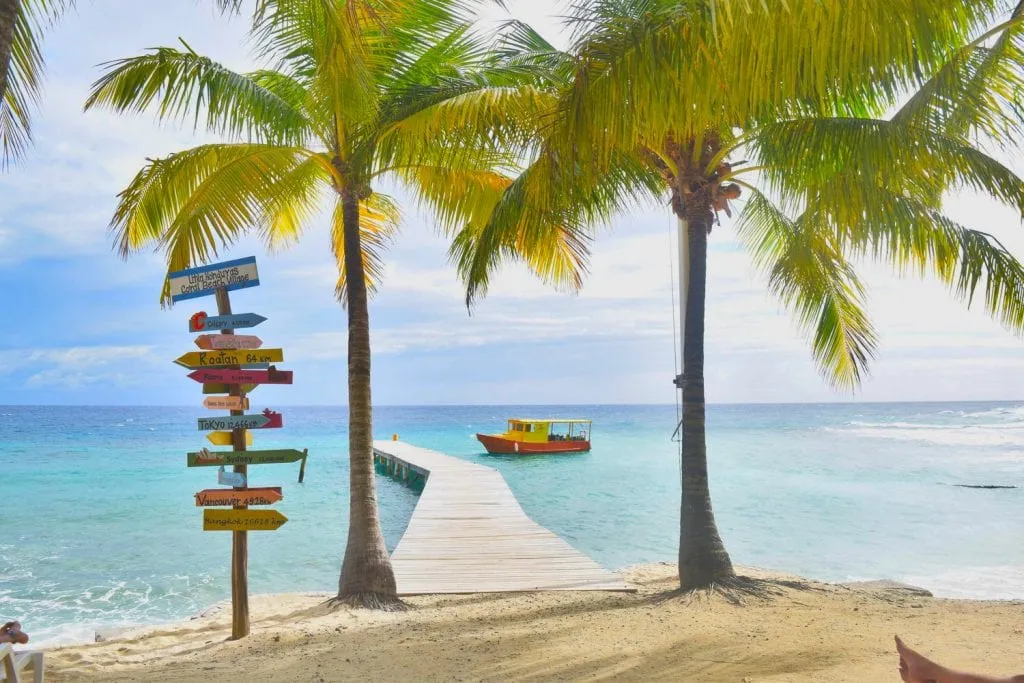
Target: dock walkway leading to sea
x,y
468,533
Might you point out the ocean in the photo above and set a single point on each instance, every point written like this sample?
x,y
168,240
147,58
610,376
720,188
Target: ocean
x,y
102,530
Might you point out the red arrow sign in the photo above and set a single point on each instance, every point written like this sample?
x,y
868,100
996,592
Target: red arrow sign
x,y
211,342
218,376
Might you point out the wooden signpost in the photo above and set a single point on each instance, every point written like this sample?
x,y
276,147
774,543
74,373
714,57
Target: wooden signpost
x,y
234,365
212,342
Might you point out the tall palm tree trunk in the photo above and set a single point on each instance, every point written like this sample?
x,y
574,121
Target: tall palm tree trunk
x,y
703,560
8,15
367,578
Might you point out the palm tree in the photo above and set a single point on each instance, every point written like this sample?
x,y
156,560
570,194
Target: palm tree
x,y
361,90
656,101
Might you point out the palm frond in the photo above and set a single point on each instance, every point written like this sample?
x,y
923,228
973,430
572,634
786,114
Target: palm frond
x,y
546,219
179,84
453,99
194,203
977,93
379,221
23,87
520,48
912,236
807,270
842,162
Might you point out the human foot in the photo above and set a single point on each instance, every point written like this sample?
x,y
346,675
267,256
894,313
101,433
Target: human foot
x,y
916,668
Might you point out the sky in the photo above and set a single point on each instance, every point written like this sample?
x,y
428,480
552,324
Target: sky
x,y
85,327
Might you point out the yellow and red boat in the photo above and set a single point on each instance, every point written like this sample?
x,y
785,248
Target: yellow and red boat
x,y
540,436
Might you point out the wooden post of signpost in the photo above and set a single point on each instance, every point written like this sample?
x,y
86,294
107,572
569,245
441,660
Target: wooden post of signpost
x,y
225,365
239,539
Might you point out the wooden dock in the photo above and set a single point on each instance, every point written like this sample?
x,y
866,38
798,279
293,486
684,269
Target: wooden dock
x,y
468,533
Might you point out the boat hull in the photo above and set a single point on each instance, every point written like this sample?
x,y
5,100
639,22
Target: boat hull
x,y
498,444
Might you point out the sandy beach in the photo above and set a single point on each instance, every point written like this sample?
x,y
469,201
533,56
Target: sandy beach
x,y
799,631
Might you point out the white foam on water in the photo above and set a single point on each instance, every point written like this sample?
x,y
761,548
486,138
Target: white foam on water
x,y
974,583
1004,413
941,435
999,427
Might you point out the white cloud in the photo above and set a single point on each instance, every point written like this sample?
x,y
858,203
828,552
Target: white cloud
x,y
77,367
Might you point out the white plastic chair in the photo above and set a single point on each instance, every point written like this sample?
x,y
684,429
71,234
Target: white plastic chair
x,y
14,665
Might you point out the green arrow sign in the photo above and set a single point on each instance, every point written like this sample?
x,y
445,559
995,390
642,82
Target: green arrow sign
x,y
208,458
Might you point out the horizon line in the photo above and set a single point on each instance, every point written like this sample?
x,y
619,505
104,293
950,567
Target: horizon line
x,y
521,405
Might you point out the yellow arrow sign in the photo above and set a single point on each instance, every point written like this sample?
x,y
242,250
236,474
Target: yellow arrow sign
x,y
224,438
212,359
242,520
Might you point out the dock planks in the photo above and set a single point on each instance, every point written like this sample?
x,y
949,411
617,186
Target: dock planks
x,y
468,534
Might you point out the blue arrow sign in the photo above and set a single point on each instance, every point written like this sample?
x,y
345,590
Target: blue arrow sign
x,y
205,280
200,322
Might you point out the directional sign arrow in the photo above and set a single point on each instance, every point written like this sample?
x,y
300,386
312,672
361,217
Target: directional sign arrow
x,y
226,438
205,280
206,359
226,402
208,458
242,520
269,376
268,420
230,478
228,497
228,341
200,322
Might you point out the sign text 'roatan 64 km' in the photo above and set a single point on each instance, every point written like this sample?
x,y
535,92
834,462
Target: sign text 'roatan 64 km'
x,y
206,280
213,359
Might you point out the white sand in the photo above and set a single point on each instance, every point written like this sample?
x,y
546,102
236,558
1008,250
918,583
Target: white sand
x,y
814,632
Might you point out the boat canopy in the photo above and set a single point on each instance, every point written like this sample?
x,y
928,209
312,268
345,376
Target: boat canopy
x,y
550,420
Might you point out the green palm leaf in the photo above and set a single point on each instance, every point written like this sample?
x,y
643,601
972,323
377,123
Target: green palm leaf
x,y
809,273
379,222
262,107
20,97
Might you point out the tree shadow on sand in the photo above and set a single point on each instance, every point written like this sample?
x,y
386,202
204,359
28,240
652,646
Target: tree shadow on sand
x,y
739,589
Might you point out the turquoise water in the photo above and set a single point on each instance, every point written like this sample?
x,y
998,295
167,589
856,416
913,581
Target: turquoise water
x,y
101,527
